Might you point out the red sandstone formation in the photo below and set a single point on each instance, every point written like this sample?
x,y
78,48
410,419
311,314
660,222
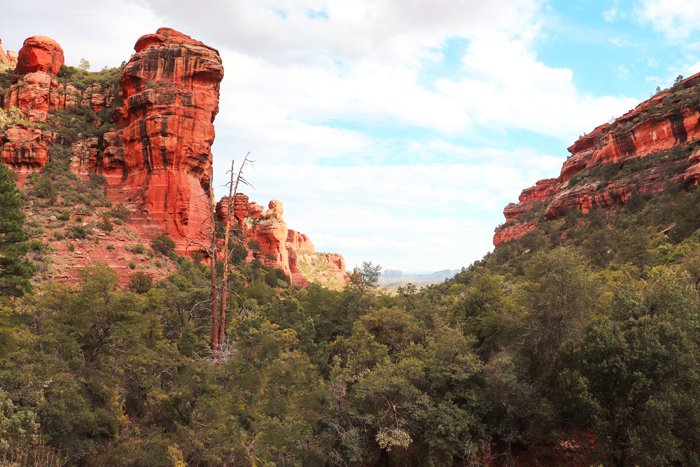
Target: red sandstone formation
x,y
39,61
13,57
171,94
25,149
159,164
39,53
300,242
511,232
4,59
641,132
279,246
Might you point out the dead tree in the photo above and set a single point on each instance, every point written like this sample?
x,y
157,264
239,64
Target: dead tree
x,y
232,192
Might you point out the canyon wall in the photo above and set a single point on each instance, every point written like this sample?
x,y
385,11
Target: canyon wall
x,y
156,157
643,150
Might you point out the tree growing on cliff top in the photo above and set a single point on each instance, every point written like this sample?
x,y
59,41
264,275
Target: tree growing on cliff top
x,y
15,270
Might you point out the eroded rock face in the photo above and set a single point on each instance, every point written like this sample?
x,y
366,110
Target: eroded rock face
x,y
512,232
278,245
39,61
25,149
171,93
39,53
630,139
159,162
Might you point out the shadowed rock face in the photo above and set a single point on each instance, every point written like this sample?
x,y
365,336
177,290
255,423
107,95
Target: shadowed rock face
x,y
163,171
632,137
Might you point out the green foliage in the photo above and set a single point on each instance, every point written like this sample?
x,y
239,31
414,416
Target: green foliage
x,y
15,270
43,187
163,244
140,282
77,232
366,277
120,212
636,383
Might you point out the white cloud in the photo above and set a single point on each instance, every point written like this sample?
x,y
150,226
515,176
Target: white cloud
x,y
610,15
387,30
618,42
104,33
516,90
677,19
370,157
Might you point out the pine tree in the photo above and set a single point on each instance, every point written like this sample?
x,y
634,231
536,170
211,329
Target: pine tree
x,y
15,270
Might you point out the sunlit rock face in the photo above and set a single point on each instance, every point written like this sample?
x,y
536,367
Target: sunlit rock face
x,y
669,121
162,171
38,62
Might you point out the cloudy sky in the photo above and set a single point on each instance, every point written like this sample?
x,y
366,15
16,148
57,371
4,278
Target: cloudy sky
x,y
396,131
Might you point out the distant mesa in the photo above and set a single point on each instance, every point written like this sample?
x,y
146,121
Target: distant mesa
x,y
392,273
435,276
4,59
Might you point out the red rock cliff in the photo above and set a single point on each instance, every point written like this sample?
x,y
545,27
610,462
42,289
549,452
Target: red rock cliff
x,y
163,173
664,127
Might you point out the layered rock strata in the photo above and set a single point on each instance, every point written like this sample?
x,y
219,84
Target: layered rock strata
x,y
163,172
158,163
664,127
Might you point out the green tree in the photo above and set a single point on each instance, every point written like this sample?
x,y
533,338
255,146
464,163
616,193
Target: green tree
x,y
365,278
15,270
163,244
557,297
637,385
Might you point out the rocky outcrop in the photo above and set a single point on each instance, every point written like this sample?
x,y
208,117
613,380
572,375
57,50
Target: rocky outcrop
x,y
171,93
300,242
158,163
4,59
507,233
39,54
39,61
25,148
270,241
392,273
663,127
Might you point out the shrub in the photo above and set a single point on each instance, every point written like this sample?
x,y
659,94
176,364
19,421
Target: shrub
x,y
37,245
110,247
139,248
106,225
140,282
64,216
120,212
132,265
77,232
44,189
163,244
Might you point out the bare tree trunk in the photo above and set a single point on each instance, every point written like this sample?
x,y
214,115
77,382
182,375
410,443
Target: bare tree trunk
x,y
232,192
212,256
